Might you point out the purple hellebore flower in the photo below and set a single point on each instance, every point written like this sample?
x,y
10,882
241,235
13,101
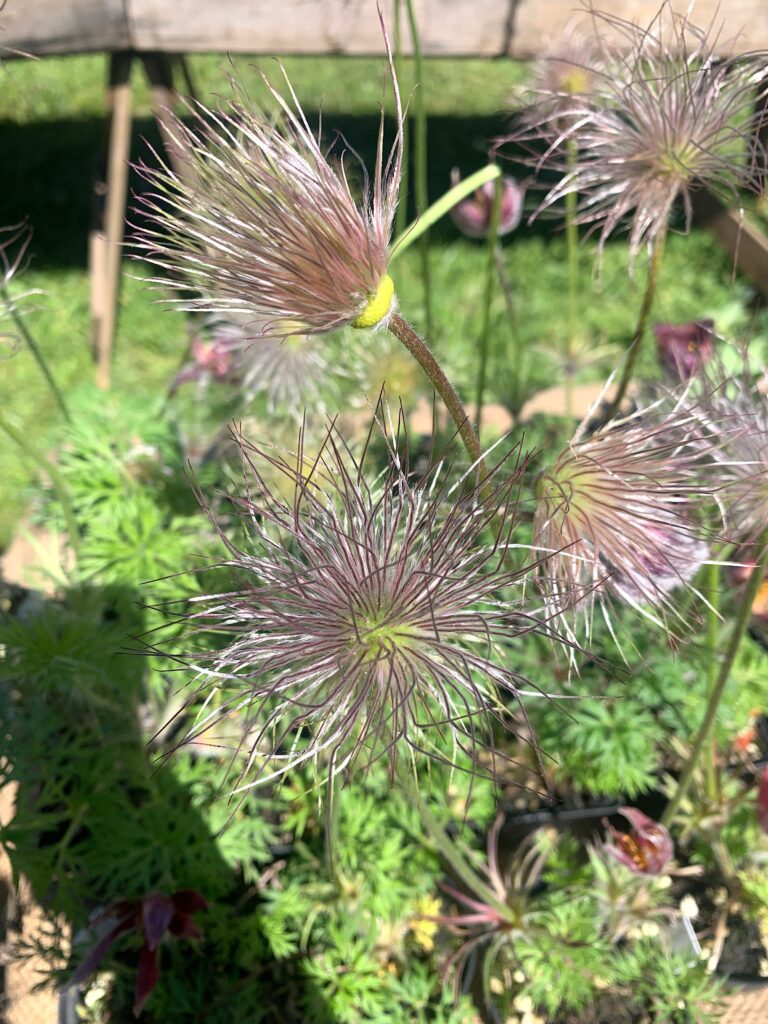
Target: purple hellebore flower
x,y
684,349
647,849
472,216
152,917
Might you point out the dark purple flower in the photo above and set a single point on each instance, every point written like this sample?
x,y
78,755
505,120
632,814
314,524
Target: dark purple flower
x,y
472,216
151,917
685,349
209,359
647,849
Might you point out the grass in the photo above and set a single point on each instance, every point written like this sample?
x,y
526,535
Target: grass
x,y
51,119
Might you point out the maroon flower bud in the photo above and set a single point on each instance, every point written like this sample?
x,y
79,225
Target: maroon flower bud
x,y
647,849
472,216
684,349
152,917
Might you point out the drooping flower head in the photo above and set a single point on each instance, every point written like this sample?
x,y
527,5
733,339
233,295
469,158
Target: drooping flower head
x,y
154,917
288,370
685,349
364,619
647,849
618,512
473,215
262,223
666,116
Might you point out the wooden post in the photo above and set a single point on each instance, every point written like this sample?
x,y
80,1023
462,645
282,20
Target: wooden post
x,y
106,253
159,69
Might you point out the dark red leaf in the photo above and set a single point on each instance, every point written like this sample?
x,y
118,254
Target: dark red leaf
x,y
99,951
189,901
147,977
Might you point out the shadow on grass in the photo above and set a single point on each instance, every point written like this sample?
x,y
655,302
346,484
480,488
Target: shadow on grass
x,y
95,822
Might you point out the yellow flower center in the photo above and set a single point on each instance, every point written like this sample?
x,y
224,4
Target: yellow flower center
x,y
378,305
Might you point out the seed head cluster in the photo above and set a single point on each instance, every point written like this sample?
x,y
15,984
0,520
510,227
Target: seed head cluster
x,y
365,619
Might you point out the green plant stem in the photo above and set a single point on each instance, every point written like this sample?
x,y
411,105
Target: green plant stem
x,y
651,286
403,331
420,163
449,851
485,329
716,694
440,207
332,818
401,214
713,636
34,348
572,248
56,478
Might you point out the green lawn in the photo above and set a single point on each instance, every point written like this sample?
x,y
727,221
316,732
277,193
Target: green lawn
x,y
52,127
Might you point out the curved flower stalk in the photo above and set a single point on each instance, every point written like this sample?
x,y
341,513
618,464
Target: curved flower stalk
x,y
620,513
666,116
367,621
263,224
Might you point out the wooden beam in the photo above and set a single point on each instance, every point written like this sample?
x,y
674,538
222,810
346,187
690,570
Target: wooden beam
x,y
518,28
742,239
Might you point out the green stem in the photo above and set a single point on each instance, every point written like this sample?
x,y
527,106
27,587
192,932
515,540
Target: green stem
x,y
572,247
713,635
421,352
401,214
485,329
440,207
449,852
332,818
56,478
651,285
716,694
35,349
420,163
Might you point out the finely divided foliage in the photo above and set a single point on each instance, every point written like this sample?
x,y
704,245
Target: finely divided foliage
x,y
260,221
665,115
366,619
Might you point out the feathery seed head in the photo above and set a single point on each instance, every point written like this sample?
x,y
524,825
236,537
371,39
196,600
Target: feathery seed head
x,y
666,116
261,223
733,414
615,512
367,620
